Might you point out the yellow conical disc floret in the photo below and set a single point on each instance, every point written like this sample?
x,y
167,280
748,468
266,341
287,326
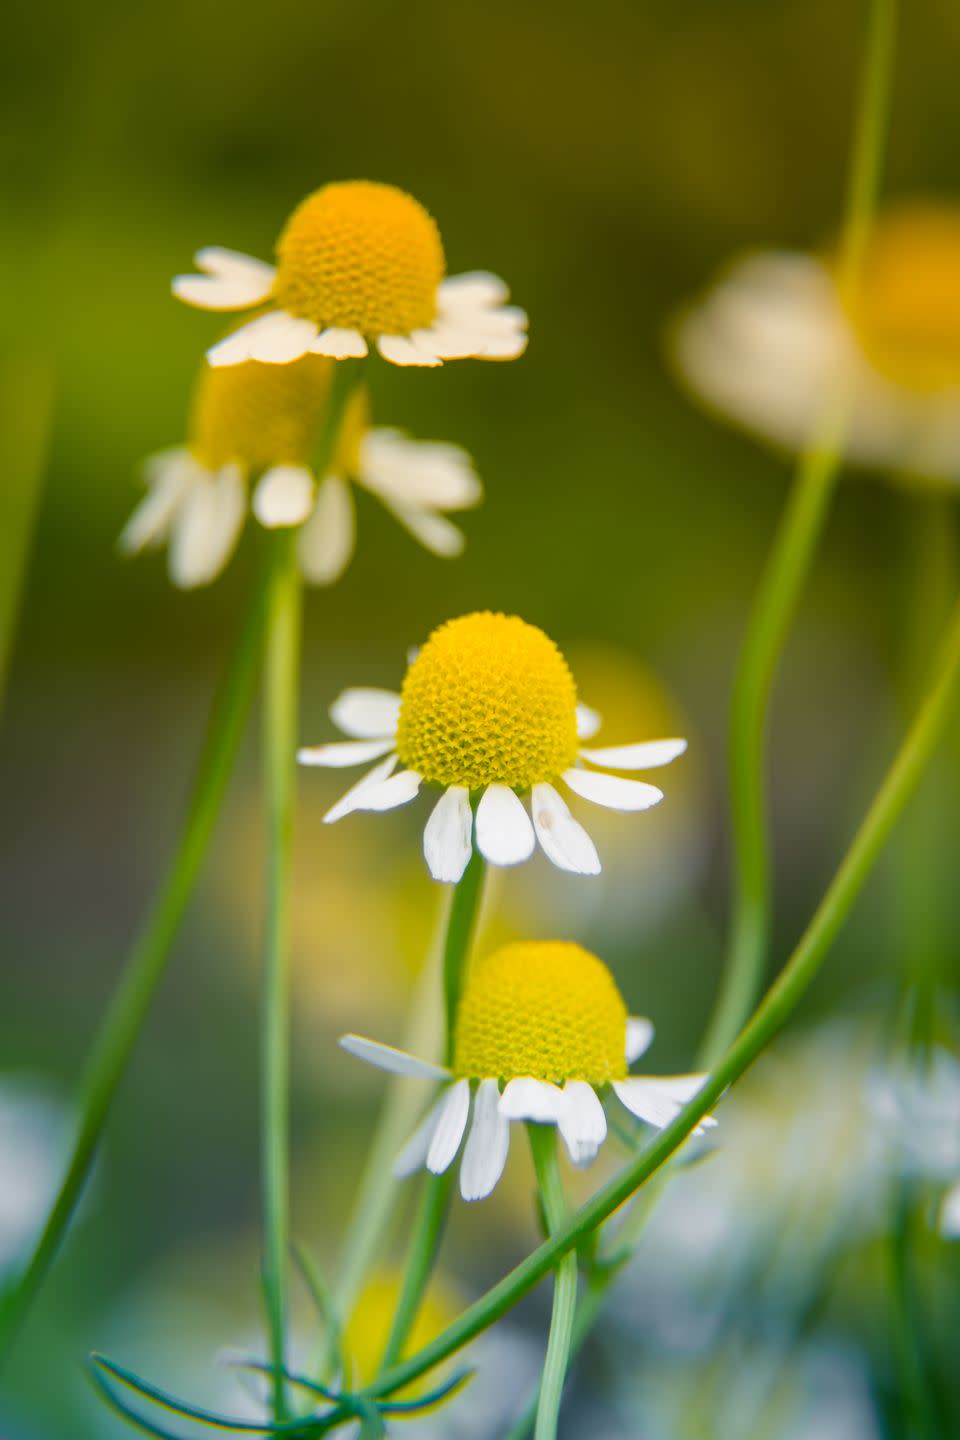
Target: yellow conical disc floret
x,y
906,310
488,700
546,1009
361,256
259,414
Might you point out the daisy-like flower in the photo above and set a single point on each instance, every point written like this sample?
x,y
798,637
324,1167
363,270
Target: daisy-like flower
x,y
356,261
541,1034
774,341
263,421
487,713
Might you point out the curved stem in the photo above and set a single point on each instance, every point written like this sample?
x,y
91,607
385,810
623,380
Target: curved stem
x,y
543,1145
280,740
898,785
145,965
785,574
461,923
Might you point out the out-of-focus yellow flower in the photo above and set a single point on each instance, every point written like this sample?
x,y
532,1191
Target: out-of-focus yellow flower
x,y
356,261
488,712
368,1330
774,342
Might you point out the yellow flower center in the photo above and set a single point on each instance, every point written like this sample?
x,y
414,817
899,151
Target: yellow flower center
x,y
368,1330
361,256
488,700
547,1009
257,414
906,311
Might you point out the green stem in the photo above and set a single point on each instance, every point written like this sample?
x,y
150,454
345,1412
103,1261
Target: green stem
x,y
784,577
543,1145
147,960
917,1400
898,785
280,740
435,1201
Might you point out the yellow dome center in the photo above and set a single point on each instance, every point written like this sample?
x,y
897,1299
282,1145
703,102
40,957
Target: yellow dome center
x,y
547,1009
906,311
363,257
488,700
258,414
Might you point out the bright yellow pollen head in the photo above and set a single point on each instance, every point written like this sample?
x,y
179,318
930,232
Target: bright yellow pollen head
x,y
259,414
361,256
488,700
547,1009
906,311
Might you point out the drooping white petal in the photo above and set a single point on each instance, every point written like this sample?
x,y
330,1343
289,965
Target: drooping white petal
x,y
588,722
647,755
448,836
504,832
389,794
417,473
525,1098
472,290
273,339
611,791
232,281
284,496
582,1122
506,347
451,1123
366,712
488,1144
348,802
640,1034
401,350
206,527
413,1156
169,475
340,344
340,754
562,839
434,532
387,1057
659,1099
325,544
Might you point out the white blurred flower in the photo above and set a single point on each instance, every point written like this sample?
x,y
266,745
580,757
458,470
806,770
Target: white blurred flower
x,y
32,1134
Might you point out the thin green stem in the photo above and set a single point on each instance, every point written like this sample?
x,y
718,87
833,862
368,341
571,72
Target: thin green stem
x,y
785,574
280,740
898,785
543,1146
146,962
435,1200
917,1400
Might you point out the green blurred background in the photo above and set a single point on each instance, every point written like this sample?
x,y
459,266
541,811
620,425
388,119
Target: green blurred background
x,y
605,159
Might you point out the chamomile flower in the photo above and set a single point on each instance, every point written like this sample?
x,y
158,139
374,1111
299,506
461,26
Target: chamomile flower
x,y
487,713
774,340
356,261
263,421
541,1034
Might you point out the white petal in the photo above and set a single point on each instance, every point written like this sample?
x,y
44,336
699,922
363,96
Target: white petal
x,y
434,532
950,1214
659,1099
474,289
366,712
488,1144
206,528
273,339
448,836
562,839
413,1156
325,544
611,791
284,496
401,350
640,1034
582,1122
648,755
349,802
169,477
340,754
528,1099
340,344
417,473
387,1057
588,722
504,832
232,281
451,1124
388,794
